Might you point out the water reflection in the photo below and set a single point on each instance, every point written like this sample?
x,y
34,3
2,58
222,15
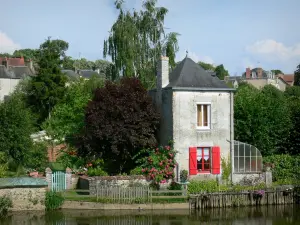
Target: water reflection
x,y
280,215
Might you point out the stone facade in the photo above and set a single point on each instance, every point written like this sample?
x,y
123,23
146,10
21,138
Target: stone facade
x,y
26,198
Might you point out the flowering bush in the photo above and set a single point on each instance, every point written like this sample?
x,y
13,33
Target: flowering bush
x,y
158,166
257,195
69,158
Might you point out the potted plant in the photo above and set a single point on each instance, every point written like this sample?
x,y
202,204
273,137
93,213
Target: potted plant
x,y
183,176
32,173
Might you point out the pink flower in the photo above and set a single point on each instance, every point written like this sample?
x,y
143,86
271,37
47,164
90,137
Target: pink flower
x,y
163,181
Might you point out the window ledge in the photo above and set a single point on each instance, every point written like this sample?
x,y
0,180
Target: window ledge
x,y
203,128
257,172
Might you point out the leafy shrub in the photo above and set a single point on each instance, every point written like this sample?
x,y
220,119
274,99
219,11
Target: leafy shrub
x,y
136,171
175,186
195,186
5,204
69,158
286,168
95,168
3,165
36,158
184,175
226,170
98,171
53,200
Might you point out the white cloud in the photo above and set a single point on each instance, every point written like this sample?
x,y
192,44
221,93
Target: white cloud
x,y
273,54
7,45
272,50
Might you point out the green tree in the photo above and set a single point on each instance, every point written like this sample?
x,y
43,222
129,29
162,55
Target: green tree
x,y
27,53
67,117
84,64
276,72
47,88
221,72
297,76
16,126
293,97
120,120
207,66
3,54
262,118
68,63
137,40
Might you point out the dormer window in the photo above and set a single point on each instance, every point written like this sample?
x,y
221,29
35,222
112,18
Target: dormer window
x,y
203,116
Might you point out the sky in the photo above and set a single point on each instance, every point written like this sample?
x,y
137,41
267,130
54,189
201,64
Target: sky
x,y
235,33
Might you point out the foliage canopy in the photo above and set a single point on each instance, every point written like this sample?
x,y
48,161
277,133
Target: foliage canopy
x,y
119,121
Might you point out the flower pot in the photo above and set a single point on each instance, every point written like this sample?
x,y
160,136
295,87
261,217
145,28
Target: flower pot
x,y
34,174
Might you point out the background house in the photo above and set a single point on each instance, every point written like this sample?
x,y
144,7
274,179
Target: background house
x,y
12,70
260,78
197,113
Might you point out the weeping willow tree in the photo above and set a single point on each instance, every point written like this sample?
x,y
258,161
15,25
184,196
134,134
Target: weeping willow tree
x,y
137,39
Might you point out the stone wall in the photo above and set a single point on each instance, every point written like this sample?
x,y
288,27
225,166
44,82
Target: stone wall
x,y
254,178
26,198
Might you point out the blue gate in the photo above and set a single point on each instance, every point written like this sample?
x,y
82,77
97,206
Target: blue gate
x,y
58,181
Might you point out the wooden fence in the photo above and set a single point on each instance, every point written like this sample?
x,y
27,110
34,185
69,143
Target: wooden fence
x,y
230,199
126,195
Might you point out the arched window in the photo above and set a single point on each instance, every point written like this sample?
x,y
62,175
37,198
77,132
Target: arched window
x,y
247,158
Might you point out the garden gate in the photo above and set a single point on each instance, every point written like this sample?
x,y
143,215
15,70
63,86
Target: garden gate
x,y
58,181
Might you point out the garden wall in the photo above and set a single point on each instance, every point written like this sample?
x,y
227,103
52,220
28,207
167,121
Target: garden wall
x,y
25,193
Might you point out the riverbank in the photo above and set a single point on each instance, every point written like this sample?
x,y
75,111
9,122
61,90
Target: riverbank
x,y
104,206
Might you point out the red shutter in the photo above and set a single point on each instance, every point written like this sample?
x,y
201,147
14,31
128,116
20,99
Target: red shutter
x,y
193,160
216,160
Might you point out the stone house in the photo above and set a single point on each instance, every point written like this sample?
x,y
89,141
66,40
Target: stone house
x,y
197,114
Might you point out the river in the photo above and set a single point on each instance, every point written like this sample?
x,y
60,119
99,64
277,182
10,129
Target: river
x,y
275,215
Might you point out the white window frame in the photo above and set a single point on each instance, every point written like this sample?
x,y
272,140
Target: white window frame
x,y
208,127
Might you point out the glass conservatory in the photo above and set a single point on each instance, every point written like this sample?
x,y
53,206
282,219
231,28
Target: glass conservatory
x,y
247,158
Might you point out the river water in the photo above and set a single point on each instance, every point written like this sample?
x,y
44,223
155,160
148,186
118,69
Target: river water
x,y
275,215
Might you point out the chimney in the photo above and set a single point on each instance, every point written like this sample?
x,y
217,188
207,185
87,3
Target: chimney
x,y
259,72
248,73
22,62
162,79
163,72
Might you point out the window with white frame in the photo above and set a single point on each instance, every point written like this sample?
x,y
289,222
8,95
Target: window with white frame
x,y
203,116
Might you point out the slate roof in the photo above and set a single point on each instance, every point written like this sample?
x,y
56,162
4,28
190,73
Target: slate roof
x,y
20,71
71,74
14,72
189,74
87,73
3,72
